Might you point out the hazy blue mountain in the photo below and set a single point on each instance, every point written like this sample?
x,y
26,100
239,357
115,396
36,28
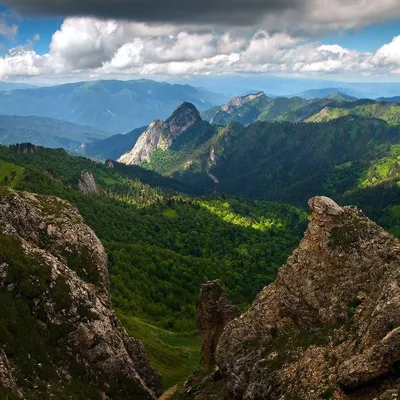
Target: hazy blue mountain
x,y
46,132
395,99
113,147
113,106
326,92
284,86
15,85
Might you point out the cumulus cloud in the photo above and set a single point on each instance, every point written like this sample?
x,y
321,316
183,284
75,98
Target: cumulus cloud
x,y
108,48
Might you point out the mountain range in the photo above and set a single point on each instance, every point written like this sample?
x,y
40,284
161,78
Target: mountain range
x,y
47,132
112,106
101,263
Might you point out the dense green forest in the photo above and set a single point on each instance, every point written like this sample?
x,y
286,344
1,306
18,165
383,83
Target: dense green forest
x,y
163,244
285,162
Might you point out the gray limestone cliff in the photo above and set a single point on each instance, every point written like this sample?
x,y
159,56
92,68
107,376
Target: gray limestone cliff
x,y
59,337
161,134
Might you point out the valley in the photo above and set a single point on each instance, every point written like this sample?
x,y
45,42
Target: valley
x,y
201,196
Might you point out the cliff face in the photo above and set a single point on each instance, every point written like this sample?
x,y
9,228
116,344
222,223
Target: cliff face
x,y
87,184
330,326
58,335
237,106
215,311
160,135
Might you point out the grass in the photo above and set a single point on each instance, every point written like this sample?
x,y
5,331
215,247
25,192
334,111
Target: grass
x,y
10,174
174,355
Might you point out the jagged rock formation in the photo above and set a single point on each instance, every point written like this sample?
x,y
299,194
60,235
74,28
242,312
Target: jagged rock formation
x,y
329,327
87,184
214,312
58,335
160,135
236,103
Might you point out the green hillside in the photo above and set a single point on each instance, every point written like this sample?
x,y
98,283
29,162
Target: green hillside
x,y
46,132
388,112
163,245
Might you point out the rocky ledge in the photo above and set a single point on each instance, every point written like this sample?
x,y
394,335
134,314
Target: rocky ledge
x,y
329,328
59,337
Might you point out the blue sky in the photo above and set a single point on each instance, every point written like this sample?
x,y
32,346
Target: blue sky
x,y
355,40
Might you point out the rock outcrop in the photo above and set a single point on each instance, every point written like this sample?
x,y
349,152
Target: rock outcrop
x,y
234,104
330,326
87,184
61,337
214,312
161,134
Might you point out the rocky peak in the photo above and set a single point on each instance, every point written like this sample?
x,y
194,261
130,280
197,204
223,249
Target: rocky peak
x,y
87,184
182,119
214,312
237,102
329,327
54,281
160,135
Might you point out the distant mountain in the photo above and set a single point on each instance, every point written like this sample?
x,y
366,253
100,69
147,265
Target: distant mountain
x,y
112,106
259,107
14,85
278,86
395,99
326,92
46,132
279,161
244,109
388,112
113,147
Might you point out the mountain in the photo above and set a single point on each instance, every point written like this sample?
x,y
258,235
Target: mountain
x,y
389,112
278,86
112,106
243,109
59,336
14,85
395,99
258,107
113,147
326,92
162,243
282,161
328,328
46,132
161,135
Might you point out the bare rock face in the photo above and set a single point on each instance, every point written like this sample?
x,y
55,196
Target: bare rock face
x,y
54,269
87,184
234,104
214,313
160,135
330,325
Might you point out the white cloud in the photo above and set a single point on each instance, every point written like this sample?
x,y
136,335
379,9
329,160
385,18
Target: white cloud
x,y
9,31
99,48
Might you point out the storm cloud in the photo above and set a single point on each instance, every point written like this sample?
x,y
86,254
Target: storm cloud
x,y
224,12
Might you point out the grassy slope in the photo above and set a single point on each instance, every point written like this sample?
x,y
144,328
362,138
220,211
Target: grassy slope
x,y
174,355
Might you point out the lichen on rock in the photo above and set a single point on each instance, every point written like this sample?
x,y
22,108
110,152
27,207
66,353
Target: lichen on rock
x,y
75,340
329,326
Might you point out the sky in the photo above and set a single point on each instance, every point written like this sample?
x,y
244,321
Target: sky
x,y
51,41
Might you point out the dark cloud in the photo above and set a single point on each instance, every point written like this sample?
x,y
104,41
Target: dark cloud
x,y
224,12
